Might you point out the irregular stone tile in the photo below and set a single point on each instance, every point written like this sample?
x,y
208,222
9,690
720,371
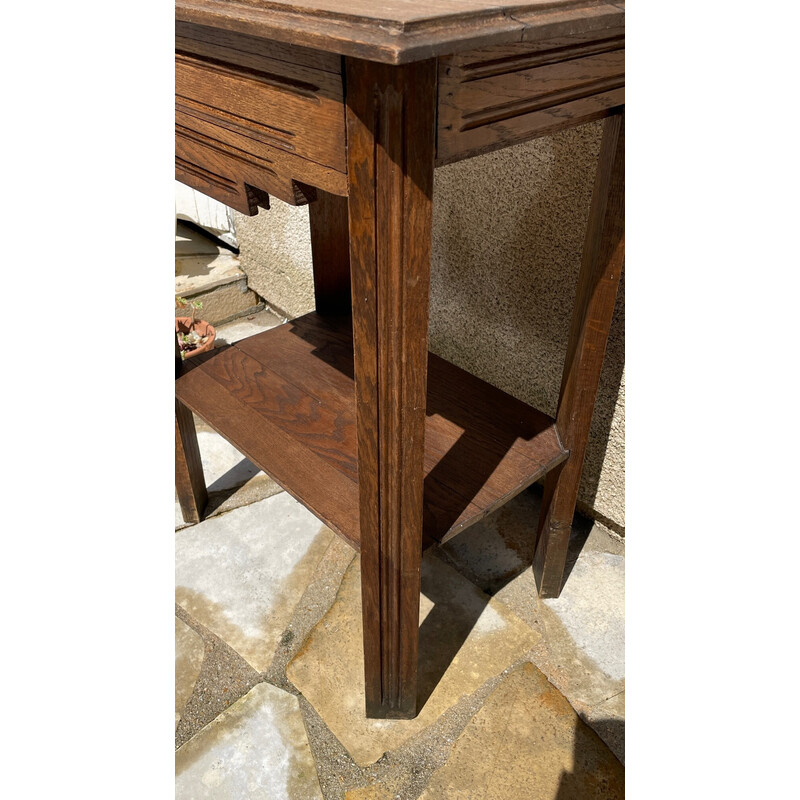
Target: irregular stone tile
x,y
224,678
315,602
244,327
592,608
464,640
189,649
584,627
584,631
527,742
257,748
497,549
224,467
231,479
608,720
241,574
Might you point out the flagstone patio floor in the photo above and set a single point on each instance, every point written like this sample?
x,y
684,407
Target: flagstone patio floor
x,y
520,698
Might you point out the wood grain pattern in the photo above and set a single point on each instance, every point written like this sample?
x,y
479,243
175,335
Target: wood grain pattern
x,y
286,399
601,268
249,51
330,253
502,95
290,176
256,125
390,152
292,108
232,176
400,31
189,481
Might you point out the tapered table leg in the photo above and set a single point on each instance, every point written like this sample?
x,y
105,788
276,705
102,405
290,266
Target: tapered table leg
x,y
189,480
390,143
603,256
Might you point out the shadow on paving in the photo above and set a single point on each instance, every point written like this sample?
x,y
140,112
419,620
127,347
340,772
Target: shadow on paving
x,y
436,653
584,783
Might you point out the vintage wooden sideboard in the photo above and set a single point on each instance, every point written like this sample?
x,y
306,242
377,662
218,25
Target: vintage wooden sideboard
x,y
349,107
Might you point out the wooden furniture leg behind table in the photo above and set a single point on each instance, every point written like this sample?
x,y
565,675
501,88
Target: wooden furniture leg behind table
x,y
601,267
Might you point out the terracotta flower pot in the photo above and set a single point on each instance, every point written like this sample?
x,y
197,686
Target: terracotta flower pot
x,y
202,328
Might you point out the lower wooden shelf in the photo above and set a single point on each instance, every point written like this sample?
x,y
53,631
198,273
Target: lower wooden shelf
x,y
285,398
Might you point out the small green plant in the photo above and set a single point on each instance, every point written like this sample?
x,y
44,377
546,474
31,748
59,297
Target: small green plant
x,y
193,305
191,340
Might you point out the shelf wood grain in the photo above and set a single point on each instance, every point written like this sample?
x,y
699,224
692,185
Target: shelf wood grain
x,y
285,398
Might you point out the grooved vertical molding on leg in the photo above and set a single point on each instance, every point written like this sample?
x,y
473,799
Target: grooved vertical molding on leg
x,y
390,123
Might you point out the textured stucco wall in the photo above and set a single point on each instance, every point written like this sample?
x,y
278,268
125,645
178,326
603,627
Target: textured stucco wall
x,y
507,236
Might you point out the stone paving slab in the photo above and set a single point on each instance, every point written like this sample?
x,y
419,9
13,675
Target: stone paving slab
x,y
224,677
224,467
591,607
465,639
231,479
584,629
241,574
258,748
527,743
247,326
189,649
608,719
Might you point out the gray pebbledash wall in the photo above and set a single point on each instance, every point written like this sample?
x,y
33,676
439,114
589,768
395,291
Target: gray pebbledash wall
x,y
508,231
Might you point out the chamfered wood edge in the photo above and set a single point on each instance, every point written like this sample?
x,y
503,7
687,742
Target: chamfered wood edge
x,y
397,42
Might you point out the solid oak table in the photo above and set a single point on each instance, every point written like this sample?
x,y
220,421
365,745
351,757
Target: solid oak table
x,y
349,107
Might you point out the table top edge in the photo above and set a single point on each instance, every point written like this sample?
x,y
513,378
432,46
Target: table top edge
x,y
394,41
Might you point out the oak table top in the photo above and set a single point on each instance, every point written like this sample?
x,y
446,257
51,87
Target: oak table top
x,y
401,31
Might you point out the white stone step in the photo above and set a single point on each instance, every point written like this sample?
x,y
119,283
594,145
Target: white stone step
x,y
211,273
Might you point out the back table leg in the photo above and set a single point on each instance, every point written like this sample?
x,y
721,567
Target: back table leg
x,y
330,253
189,481
603,256
390,143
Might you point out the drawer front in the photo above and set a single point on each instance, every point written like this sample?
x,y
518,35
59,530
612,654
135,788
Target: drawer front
x,y
502,95
249,122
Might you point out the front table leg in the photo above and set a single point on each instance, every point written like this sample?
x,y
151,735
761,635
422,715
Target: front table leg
x,y
601,267
390,144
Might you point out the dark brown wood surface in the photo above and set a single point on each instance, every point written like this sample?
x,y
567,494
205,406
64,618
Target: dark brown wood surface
x,y
286,400
189,482
249,122
298,109
506,94
247,51
400,31
330,253
601,268
390,153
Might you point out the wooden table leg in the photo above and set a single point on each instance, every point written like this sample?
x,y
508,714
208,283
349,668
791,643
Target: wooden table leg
x,y
189,481
330,253
601,267
390,143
